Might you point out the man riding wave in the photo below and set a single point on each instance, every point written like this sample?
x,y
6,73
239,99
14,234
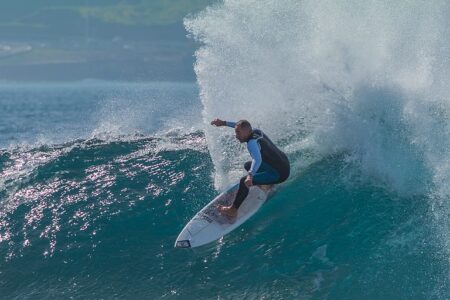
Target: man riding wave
x,y
269,165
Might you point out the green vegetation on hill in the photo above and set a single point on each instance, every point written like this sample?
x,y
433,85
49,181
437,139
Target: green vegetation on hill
x,y
121,12
144,12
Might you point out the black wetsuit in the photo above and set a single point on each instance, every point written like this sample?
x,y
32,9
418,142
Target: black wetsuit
x,y
274,167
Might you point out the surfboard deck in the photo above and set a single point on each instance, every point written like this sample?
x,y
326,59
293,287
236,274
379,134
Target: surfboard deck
x,y
209,224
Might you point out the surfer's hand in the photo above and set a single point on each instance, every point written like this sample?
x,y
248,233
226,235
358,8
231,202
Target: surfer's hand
x,y
218,122
249,181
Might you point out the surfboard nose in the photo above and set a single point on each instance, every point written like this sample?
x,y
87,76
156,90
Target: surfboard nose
x,y
182,244
184,239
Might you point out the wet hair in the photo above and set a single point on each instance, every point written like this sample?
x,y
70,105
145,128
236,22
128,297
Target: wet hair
x,y
244,124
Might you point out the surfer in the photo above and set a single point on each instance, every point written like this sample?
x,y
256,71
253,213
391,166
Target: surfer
x,y
269,165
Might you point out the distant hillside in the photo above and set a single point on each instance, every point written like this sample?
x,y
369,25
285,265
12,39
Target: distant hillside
x,y
51,18
147,12
104,39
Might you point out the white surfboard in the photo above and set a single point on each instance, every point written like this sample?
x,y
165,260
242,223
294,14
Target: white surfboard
x,y
209,224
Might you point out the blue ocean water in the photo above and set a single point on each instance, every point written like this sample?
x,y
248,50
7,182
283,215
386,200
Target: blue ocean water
x,y
96,216
98,178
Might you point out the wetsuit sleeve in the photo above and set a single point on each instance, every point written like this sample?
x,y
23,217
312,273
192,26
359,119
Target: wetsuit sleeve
x,y
230,124
255,152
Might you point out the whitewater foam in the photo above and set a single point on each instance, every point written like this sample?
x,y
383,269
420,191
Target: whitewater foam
x,y
361,78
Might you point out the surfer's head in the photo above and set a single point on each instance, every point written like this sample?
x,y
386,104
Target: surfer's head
x,y
243,130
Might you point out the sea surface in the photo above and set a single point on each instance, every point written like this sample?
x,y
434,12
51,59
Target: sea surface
x,y
97,178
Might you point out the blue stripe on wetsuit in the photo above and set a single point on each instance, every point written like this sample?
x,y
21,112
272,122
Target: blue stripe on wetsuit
x,y
230,124
255,153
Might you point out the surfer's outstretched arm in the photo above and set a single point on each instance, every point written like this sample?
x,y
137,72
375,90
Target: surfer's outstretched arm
x,y
219,122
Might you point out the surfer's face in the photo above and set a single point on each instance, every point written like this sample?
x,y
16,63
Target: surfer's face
x,y
242,134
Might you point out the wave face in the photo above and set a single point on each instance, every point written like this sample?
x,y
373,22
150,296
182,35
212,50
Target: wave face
x,y
365,83
95,218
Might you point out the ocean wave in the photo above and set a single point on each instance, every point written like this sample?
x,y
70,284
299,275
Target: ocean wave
x,y
70,187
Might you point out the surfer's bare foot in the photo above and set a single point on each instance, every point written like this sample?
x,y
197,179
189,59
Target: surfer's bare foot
x,y
229,211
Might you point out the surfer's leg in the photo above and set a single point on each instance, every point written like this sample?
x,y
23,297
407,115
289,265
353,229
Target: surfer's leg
x,y
265,175
243,189
241,194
